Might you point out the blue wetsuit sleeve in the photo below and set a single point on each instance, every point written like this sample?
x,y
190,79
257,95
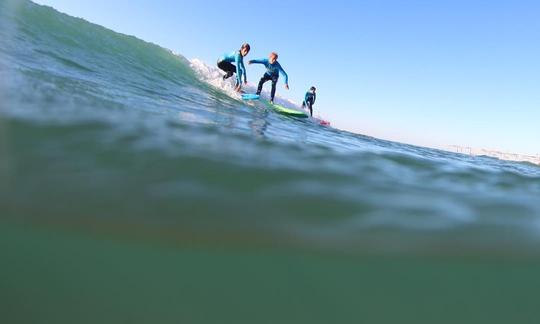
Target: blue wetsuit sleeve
x,y
263,61
239,67
306,97
314,98
245,71
242,68
284,74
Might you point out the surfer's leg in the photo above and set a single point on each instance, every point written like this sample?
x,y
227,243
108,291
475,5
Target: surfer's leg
x,y
229,68
274,82
261,83
310,106
259,88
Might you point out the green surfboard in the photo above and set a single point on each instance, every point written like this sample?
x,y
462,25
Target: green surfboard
x,y
288,112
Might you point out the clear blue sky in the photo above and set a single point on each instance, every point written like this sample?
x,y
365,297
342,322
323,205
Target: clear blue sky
x,y
427,72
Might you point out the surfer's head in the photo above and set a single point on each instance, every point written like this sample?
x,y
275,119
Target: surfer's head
x,y
313,89
244,50
273,57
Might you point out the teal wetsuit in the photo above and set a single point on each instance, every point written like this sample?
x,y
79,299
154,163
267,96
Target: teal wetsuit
x,y
309,101
272,70
272,73
310,97
225,63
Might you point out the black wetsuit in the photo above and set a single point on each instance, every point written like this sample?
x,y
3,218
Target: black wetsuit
x,y
267,77
227,67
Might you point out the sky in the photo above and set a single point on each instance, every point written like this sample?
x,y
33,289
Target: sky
x,y
430,73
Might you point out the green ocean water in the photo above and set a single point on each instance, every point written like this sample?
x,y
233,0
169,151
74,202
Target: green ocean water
x,y
133,191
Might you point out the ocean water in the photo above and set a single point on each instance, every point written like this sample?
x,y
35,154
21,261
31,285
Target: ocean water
x,y
136,187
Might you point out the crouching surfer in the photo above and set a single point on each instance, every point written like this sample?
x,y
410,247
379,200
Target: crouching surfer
x,y
225,63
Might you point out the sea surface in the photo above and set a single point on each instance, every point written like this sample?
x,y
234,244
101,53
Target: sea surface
x,y
135,187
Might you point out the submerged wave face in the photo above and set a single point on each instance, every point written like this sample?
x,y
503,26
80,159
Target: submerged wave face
x,y
105,131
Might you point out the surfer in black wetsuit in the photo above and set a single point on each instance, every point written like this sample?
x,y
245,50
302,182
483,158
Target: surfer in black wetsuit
x,y
309,100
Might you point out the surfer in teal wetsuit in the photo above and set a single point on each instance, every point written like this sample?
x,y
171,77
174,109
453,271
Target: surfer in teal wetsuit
x,y
237,57
273,69
309,99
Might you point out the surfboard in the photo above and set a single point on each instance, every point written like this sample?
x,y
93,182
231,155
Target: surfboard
x,y
250,96
289,112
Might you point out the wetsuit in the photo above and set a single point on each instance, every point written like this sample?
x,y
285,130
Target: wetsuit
x,y
272,73
309,100
225,63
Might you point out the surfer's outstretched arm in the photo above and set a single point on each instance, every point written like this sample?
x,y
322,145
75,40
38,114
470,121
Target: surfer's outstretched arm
x,y
262,61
